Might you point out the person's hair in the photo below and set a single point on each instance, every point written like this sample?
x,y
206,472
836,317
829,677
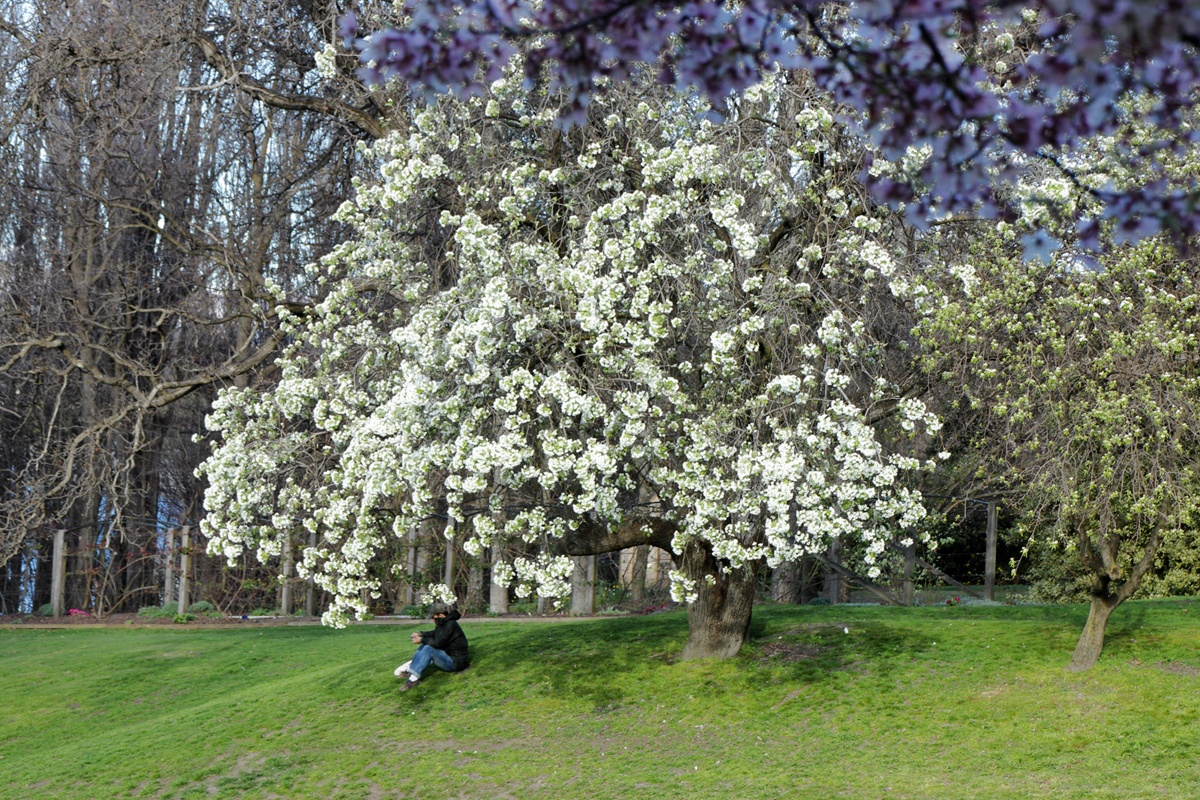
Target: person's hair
x,y
440,608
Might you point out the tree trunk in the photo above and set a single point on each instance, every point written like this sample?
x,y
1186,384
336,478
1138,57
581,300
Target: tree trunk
x,y
1107,593
10,585
785,582
80,561
909,597
836,590
498,598
637,582
41,575
719,618
474,585
583,586
1091,641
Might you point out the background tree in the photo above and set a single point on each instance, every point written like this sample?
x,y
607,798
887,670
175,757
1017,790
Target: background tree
x,y
1079,373
162,165
1087,386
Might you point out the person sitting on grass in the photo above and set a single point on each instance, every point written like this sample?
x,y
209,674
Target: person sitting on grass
x,y
445,646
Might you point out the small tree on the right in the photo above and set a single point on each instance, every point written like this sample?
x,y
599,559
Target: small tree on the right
x,y
1083,379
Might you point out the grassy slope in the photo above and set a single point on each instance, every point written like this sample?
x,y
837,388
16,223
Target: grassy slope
x,y
911,703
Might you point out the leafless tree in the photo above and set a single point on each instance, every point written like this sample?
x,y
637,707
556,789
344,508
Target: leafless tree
x,y
164,166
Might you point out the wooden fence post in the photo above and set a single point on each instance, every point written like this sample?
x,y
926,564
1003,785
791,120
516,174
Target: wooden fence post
x,y
185,565
285,595
310,600
989,561
169,568
57,576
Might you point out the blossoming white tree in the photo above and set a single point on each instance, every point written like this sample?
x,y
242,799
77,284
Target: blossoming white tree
x,y
647,329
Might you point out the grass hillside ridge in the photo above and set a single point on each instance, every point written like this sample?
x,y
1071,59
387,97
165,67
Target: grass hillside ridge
x,y
853,701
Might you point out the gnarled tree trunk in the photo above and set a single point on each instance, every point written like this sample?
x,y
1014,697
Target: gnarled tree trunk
x,y
1091,641
1107,593
719,617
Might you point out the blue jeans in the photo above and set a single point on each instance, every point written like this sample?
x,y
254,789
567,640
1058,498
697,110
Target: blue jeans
x,y
426,654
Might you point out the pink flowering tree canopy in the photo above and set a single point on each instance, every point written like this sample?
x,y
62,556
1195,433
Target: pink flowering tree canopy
x,y
982,91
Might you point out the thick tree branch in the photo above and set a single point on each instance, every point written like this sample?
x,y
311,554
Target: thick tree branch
x,y
592,538
334,108
1139,570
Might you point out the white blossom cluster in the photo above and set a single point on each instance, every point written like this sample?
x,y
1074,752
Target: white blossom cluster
x,y
599,325
438,593
326,61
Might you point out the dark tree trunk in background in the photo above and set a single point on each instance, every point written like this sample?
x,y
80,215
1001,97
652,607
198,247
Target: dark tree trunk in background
x,y
786,582
835,588
41,583
637,578
10,585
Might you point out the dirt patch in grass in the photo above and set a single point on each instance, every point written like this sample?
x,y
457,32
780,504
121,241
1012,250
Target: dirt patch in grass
x,y
813,627
782,650
788,652
1175,668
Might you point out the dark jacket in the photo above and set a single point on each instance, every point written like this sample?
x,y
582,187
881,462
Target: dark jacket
x,y
448,637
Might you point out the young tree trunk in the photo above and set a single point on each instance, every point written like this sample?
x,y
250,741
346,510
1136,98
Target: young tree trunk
x,y
583,586
1107,594
498,598
1091,641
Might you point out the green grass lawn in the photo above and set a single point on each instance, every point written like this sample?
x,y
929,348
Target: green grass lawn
x,y
930,702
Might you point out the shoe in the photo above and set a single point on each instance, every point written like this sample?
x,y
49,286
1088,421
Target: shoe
x,y
402,674
409,684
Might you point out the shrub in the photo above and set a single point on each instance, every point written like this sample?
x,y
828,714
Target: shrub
x,y
46,610
180,619
201,606
523,607
263,612
155,612
1057,576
